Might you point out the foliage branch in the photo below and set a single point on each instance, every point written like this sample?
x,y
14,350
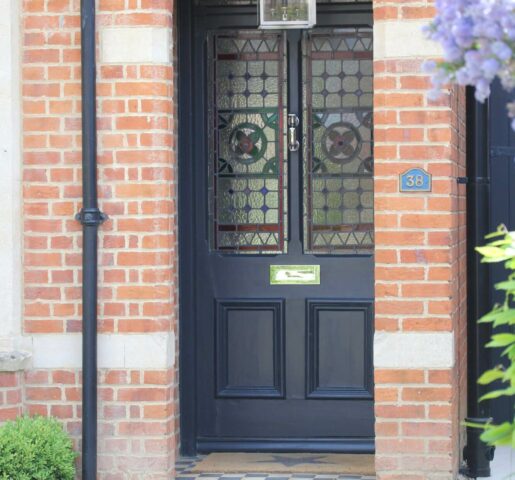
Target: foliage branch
x,y
501,248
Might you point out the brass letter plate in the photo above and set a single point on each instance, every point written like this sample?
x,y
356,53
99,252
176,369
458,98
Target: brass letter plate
x,y
294,274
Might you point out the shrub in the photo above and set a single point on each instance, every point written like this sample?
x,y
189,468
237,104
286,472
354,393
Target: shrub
x,y
502,249
35,448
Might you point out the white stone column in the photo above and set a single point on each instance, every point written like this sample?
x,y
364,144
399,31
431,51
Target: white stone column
x,y
11,214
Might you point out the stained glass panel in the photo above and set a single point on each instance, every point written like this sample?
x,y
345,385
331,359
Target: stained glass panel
x,y
338,164
247,168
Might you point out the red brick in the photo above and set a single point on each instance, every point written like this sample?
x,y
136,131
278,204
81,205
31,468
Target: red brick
x,y
43,393
399,376
426,394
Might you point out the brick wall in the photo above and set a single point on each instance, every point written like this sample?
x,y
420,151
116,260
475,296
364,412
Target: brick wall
x,y
420,256
420,343
135,417
11,395
138,272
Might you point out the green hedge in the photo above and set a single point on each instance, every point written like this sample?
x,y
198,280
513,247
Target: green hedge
x,y
36,448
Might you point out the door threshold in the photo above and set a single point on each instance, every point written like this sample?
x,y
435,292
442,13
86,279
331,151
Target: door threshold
x,y
309,445
276,466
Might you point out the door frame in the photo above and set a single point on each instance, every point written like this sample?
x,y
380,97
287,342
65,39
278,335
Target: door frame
x,y
186,234
185,200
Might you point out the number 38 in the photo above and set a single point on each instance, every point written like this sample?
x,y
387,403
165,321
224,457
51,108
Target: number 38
x,y
415,180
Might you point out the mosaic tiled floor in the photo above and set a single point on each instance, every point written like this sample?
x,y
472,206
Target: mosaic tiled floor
x,y
185,464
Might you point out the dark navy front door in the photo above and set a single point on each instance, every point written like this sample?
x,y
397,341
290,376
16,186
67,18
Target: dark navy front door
x,y
282,235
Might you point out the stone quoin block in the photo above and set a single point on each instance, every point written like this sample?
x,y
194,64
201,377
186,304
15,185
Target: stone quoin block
x,y
139,45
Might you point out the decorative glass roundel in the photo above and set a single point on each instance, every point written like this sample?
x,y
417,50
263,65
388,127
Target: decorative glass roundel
x,y
341,142
248,143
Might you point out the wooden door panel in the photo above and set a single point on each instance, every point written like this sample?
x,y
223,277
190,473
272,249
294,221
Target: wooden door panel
x,y
250,348
339,349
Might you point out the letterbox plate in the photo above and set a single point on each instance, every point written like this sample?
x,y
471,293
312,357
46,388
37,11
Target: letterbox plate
x,y
294,274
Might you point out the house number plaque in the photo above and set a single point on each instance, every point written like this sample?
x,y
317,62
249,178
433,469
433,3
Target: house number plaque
x,y
415,180
294,274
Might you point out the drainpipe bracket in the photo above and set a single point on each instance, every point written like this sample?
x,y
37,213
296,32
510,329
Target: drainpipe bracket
x,y
91,217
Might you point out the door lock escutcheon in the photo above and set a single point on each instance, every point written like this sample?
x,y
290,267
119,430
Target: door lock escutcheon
x,y
293,125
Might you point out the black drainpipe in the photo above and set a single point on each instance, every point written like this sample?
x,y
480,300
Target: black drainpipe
x,y
477,454
90,217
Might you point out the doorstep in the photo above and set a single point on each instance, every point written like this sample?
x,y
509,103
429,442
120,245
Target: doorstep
x,y
185,466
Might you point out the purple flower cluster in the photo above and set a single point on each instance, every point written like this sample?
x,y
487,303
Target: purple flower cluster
x,y
478,40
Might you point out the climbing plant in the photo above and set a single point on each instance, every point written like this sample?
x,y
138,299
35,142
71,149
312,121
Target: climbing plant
x,y
501,248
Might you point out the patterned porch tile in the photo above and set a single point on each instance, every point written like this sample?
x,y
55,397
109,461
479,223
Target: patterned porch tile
x,y
185,464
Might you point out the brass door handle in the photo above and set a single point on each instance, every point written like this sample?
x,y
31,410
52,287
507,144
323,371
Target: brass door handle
x,y
293,124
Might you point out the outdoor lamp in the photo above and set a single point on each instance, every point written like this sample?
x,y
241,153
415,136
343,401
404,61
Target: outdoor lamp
x,y
287,13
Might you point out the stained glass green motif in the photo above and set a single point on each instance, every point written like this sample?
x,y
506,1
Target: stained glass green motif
x,y
247,168
338,157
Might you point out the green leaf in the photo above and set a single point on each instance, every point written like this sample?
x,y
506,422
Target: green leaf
x,y
491,315
492,252
498,243
497,433
499,316
494,259
509,285
508,373
501,340
507,392
490,376
501,230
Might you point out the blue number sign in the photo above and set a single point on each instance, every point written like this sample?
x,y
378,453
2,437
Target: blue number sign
x,y
415,180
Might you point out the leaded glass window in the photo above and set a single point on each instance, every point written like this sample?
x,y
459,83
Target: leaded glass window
x,y
247,166
338,163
